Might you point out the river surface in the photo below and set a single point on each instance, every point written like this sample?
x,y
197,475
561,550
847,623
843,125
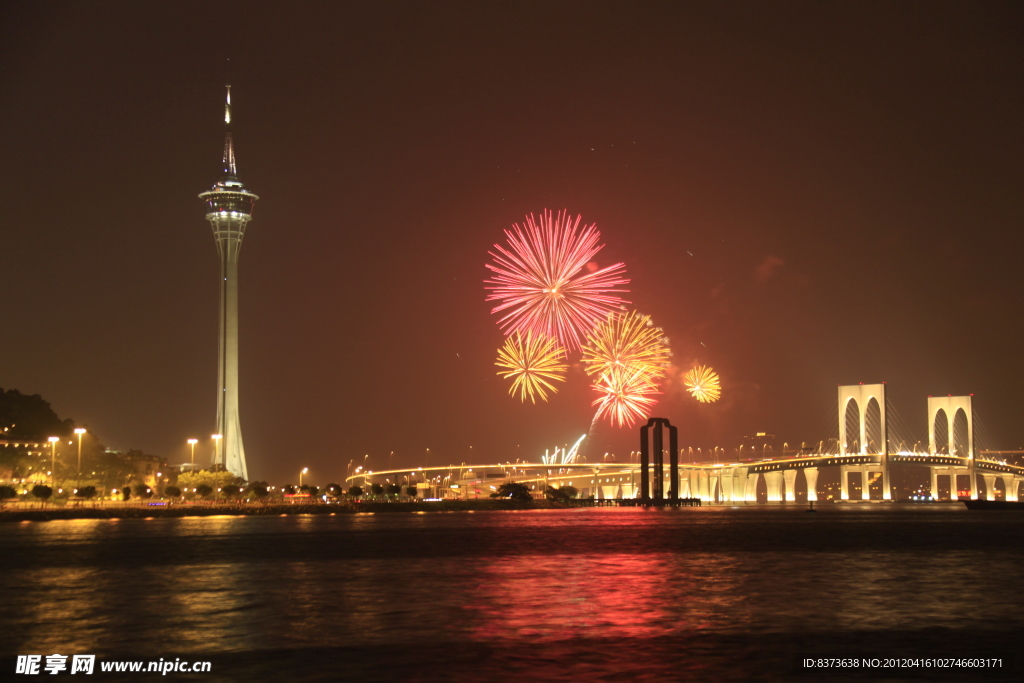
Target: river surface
x,y
702,594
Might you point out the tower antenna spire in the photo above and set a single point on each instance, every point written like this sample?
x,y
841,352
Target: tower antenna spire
x,y
230,170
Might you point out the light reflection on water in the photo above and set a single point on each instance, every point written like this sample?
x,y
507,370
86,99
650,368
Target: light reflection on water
x,y
566,583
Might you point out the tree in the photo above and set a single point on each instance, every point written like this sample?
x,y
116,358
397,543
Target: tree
x,y
6,493
87,492
230,491
411,492
42,492
288,490
258,492
126,493
142,491
514,491
394,490
334,490
29,417
215,480
204,490
172,491
376,489
355,491
562,494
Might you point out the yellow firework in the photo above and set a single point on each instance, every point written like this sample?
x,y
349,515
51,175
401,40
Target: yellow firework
x,y
625,397
702,382
626,343
534,362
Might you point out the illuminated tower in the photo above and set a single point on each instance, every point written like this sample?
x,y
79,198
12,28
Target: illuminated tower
x,y
229,208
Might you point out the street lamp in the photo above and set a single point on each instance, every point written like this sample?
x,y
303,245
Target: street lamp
x,y
192,443
79,431
304,470
216,447
53,458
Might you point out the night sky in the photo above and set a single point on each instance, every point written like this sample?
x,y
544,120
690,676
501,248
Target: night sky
x,y
804,195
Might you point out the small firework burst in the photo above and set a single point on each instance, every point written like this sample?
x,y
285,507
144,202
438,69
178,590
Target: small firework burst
x,y
702,382
534,361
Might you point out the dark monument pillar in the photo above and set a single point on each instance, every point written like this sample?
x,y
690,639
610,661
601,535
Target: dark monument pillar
x,y
656,489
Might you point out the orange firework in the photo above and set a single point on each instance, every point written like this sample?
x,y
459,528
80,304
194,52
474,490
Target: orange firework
x,y
628,342
702,382
625,397
534,361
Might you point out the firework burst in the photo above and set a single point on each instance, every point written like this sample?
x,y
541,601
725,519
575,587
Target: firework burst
x,y
534,362
541,284
627,342
702,382
625,397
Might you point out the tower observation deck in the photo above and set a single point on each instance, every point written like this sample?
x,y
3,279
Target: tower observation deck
x,y
229,210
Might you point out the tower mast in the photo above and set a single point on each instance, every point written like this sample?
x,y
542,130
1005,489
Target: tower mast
x,y
229,210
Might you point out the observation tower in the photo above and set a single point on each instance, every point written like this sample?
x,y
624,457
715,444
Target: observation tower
x,y
229,209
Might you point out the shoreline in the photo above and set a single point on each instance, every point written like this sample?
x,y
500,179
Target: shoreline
x,y
36,514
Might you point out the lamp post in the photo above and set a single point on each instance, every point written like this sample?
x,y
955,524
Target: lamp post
x,y
192,443
216,448
304,470
79,431
53,458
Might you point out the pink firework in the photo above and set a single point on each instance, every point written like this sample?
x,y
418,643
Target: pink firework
x,y
625,396
541,284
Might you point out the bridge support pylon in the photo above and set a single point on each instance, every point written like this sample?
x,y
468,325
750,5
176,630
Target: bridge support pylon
x,y
727,479
790,478
1010,484
811,475
773,480
990,486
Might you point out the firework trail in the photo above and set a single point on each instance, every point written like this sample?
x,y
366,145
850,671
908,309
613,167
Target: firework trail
x,y
540,282
532,361
626,341
702,382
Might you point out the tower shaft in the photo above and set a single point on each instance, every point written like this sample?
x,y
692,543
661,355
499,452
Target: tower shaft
x,y
228,232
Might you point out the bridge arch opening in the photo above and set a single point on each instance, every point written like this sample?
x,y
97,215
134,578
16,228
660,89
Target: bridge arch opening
x,y
873,427
961,440
941,429
851,437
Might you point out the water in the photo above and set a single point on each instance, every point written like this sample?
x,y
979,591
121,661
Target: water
x,y
712,593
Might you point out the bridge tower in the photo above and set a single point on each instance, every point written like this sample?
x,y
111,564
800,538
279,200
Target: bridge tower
x,y
949,406
862,395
